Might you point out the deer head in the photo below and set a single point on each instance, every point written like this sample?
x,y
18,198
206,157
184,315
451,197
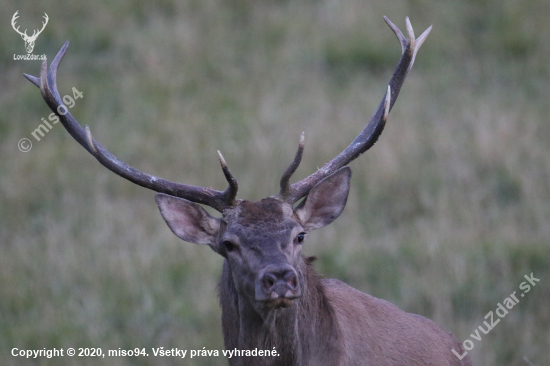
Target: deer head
x,y
261,241
29,40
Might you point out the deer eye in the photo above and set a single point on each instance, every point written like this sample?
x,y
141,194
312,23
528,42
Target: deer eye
x,y
229,246
300,238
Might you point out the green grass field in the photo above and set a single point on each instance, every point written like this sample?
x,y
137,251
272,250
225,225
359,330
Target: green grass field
x,y
447,212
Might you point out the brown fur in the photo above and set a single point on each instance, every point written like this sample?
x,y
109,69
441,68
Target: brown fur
x,y
334,324
272,298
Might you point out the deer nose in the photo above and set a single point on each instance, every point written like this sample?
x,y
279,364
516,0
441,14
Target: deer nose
x,y
277,281
285,277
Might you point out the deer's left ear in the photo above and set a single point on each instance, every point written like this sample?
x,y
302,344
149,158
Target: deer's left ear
x,y
326,200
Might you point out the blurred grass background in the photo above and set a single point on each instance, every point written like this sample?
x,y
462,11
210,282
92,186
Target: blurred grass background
x,y
447,212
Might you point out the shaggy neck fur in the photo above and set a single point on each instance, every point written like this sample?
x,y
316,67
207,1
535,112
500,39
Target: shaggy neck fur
x,y
304,334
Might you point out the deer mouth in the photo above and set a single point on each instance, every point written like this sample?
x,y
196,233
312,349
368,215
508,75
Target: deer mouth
x,y
280,303
282,296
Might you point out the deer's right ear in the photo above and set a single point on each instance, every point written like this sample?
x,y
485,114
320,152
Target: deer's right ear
x,y
188,220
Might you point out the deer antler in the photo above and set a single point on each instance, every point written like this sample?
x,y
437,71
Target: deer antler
x,y
226,199
371,132
208,196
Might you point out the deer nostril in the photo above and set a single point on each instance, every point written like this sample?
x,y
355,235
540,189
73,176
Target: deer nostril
x,y
269,281
292,281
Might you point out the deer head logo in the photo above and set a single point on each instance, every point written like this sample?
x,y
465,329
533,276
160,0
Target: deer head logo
x,y
29,40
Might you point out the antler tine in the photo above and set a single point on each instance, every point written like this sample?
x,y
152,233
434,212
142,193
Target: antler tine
x,y
33,79
419,42
231,191
398,33
90,140
207,196
285,179
368,137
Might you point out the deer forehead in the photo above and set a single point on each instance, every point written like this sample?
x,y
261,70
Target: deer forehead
x,y
265,218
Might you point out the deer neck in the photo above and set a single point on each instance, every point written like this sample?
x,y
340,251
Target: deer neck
x,y
305,331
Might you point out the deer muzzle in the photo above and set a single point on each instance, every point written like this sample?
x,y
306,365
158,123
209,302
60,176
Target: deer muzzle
x,y
277,285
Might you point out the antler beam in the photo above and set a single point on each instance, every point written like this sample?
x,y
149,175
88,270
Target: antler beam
x,y
371,132
208,196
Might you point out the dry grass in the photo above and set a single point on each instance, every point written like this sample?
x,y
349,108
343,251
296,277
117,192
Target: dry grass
x,y
447,212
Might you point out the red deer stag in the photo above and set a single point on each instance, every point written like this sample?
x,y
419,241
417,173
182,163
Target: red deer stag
x,y
270,295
